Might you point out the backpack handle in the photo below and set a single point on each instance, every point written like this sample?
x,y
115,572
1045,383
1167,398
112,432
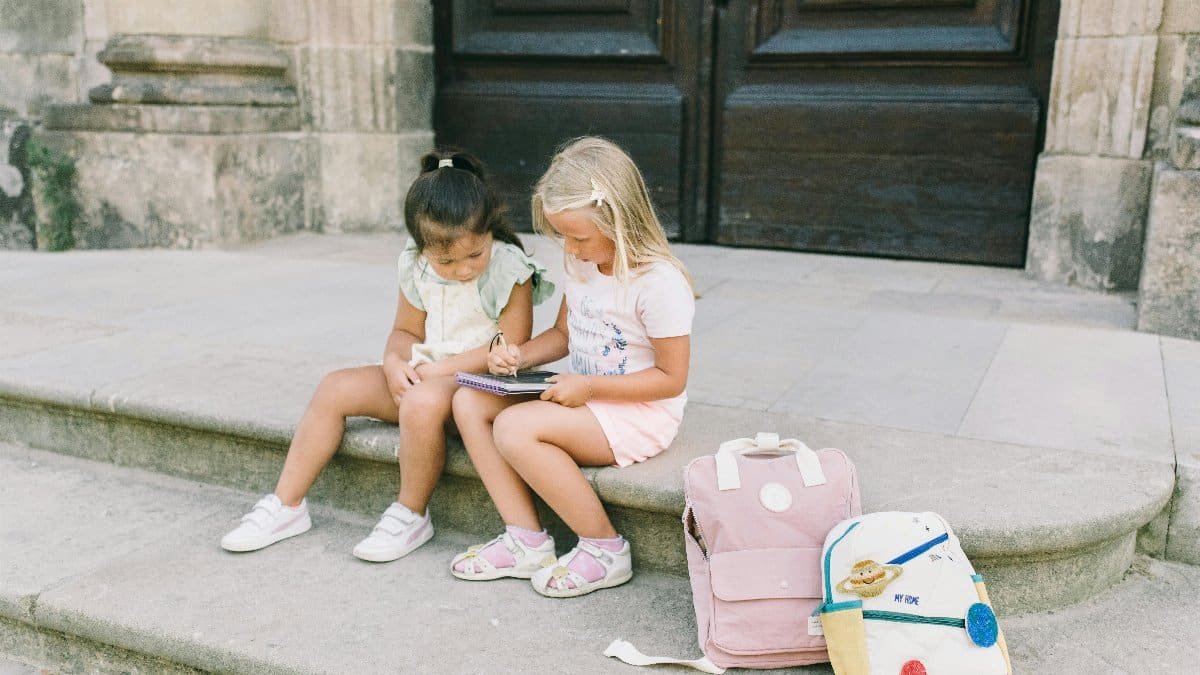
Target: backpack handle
x,y
807,461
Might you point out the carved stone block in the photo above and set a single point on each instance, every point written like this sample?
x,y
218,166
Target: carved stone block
x,y
1084,18
363,179
194,70
1100,96
17,228
1180,16
1169,293
30,82
184,190
42,27
1185,149
1087,221
358,89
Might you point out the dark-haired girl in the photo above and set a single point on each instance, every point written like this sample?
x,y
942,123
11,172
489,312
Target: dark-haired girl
x,y
464,277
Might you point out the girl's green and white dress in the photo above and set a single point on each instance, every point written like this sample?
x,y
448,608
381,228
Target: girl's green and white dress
x,y
462,315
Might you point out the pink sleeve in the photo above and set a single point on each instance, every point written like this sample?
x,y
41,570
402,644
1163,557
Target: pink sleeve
x,y
666,304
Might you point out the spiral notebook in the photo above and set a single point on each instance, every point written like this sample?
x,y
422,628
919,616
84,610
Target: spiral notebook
x,y
528,382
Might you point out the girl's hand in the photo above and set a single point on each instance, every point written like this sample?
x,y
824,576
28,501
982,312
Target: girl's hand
x,y
400,379
569,389
504,360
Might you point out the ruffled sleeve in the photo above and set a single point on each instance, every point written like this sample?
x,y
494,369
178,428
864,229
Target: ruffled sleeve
x,y
509,267
406,267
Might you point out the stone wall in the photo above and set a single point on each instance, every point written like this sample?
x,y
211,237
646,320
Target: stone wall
x,y
1114,205
1169,292
47,50
17,227
1093,177
364,72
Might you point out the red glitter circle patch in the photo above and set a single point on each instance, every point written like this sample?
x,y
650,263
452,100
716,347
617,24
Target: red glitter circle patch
x,y
913,668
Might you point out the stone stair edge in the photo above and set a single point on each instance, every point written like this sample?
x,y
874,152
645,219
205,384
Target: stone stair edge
x,y
372,440
142,643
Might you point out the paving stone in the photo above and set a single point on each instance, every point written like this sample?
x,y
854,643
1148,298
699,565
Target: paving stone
x,y
1090,390
900,371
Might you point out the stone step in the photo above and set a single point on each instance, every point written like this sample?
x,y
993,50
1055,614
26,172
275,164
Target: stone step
x,y
119,568
1045,527
119,571
1029,416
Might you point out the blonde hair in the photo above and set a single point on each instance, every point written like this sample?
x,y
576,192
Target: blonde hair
x,y
595,174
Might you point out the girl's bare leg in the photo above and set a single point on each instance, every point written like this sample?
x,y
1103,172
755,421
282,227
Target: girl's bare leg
x,y
423,414
474,412
341,394
545,444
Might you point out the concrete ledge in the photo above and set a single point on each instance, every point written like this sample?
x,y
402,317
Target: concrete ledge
x,y
149,589
71,653
180,119
1075,538
148,592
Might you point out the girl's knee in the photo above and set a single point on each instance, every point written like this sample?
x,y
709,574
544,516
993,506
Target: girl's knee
x,y
469,404
513,431
422,405
332,389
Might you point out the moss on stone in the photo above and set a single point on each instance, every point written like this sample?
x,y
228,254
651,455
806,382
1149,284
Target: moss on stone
x,y
54,175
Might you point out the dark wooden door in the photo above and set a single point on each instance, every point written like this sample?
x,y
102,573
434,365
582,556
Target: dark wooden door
x,y
516,78
902,128
887,127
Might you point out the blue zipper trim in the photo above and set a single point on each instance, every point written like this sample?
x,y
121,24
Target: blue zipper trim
x,y
905,557
828,557
901,617
839,606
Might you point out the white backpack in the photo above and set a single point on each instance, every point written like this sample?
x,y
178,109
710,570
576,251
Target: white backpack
x,y
902,598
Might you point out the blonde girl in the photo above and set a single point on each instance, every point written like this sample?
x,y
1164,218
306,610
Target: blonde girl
x,y
463,278
625,324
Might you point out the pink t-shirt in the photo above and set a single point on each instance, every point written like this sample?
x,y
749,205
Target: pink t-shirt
x,y
610,324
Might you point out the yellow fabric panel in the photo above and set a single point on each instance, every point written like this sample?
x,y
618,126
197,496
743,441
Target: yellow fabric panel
x,y
983,597
846,639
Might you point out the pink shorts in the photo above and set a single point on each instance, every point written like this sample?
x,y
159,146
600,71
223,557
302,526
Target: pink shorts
x,y
635,431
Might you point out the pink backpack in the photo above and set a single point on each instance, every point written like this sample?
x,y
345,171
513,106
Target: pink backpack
x,y
754,528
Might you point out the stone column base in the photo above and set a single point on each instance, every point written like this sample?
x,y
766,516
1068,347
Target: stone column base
x,y
182,176
1087,221
1169,294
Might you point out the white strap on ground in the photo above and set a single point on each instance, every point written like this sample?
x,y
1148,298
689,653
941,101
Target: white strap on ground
x,y
620,649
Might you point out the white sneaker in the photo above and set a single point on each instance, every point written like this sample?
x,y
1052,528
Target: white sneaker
x,y
268,522
399,532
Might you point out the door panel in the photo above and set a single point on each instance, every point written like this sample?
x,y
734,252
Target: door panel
x,y
883,127
517,127
848,28
912,178
595,29
902,128
516,78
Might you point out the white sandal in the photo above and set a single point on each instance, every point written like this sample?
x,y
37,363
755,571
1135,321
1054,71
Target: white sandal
x,y
551,580
527,560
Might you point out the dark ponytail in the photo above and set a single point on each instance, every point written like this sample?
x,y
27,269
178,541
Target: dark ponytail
x,y
453,196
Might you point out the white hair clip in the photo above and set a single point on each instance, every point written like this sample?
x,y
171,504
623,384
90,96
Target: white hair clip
x,y
597,195
445,161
